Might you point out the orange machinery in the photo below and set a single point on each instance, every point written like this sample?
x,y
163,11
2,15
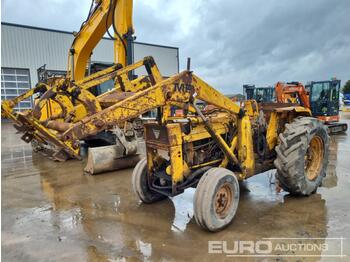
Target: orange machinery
x,y
321,97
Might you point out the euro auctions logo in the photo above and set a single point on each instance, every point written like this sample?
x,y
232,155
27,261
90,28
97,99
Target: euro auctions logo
x,y
240,247
279,247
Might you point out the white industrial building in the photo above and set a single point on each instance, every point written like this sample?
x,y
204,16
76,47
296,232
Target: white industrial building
x,y
25,48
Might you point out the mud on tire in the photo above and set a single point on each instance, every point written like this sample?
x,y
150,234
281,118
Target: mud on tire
x,y
302,156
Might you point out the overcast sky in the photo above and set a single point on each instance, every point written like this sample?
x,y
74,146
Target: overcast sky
x,y
230,42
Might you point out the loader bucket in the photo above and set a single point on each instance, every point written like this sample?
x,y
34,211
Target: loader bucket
x,y
109,158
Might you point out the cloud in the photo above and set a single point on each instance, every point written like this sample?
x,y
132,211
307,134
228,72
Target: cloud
x,y
230,42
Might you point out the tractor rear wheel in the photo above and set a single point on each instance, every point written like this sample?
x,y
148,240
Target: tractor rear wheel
x,y
216,199
302,156
140,184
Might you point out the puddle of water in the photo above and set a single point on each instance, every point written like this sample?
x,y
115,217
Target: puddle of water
x,y
144,248
183,204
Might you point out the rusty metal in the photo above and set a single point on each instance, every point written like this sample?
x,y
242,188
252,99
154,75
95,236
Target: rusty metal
x,y
269,106
156,133
114,97
121,155
223,200
108,158
57,125
75,103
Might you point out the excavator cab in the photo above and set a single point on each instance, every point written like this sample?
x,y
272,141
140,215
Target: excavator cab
x,y
260,94
324,99
104,87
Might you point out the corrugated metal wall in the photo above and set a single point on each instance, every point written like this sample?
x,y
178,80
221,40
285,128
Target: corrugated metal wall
x,y
165,57
28,47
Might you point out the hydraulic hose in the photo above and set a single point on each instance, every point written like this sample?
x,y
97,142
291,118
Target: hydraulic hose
x,y
111,3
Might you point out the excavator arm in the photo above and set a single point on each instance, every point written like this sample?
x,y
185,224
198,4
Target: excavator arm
x,y
103,14
285,92
62,93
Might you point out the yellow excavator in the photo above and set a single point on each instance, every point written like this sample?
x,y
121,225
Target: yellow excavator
x,y
62,101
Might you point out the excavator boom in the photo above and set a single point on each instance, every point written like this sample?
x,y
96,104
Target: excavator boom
x,y
287,92
102,15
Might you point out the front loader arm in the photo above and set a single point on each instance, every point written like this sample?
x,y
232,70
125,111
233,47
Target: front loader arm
x,y
181,89
176,90
130,108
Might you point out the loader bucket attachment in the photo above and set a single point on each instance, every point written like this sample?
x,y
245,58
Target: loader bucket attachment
x,y
109,158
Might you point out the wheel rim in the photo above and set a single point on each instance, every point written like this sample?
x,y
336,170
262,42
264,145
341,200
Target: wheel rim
x,y
314,158
223,200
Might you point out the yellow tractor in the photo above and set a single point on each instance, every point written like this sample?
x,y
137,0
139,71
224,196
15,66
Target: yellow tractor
x,y
212,150
208,149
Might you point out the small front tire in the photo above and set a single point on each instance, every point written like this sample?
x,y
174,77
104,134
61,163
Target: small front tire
x,y
216,199
140,184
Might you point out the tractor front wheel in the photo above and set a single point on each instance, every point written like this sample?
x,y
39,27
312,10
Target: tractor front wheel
x,y
140,184
302,156
216,199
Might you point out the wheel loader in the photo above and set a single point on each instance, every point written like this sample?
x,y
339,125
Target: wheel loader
x,y
213,149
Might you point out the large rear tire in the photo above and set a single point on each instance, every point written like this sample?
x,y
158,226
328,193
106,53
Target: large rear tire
x,y
302,156
216,199
140,184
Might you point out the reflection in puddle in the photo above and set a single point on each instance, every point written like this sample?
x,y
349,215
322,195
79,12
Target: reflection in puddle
x,y
331,178
144,248
183,204
19,154
262,187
